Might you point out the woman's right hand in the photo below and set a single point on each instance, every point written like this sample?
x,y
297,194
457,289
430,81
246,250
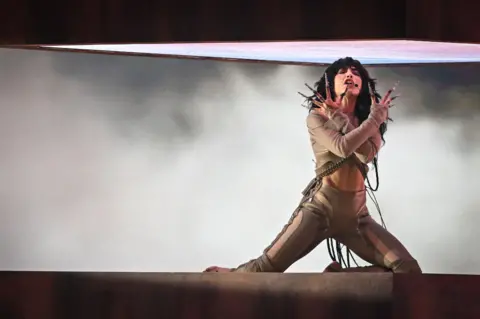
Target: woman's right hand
x,y
327,105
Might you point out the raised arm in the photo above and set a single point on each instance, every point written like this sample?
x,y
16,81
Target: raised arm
x,y
344,145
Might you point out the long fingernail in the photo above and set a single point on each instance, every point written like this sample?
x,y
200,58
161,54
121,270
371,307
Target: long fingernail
x,y
320,98
307,97
310,88
394,97
326,79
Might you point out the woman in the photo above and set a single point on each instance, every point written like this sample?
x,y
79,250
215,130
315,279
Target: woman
x,y
346,123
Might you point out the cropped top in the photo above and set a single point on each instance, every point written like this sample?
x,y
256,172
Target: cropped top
x,y
336,138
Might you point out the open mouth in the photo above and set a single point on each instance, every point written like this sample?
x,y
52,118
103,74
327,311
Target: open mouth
x,y
349,83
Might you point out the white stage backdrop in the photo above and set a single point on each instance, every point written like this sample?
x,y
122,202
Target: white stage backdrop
x,y
116,163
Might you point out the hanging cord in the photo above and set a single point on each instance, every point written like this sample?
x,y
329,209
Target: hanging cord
x,y
335,248
371,191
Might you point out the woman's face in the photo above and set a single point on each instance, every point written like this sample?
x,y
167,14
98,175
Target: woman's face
x,y
349,80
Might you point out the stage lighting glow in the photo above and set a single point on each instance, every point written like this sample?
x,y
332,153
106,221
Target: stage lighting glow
x,y
301,52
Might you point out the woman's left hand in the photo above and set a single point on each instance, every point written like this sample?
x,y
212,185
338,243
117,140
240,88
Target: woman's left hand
x,y
217,269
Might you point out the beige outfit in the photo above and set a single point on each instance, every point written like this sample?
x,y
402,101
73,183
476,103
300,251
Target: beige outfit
x,y
326,212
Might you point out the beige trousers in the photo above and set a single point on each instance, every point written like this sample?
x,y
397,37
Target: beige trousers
x,y
326,212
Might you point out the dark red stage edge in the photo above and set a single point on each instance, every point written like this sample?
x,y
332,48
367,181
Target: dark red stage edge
x,y
436,296
36,295
63,295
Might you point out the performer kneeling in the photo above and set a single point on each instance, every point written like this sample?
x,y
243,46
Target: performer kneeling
x,y
346,123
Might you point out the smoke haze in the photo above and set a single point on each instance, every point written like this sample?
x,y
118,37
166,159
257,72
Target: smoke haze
x,y
114,163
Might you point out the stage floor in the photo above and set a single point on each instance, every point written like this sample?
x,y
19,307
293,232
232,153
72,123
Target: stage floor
x,y
42,295
375,52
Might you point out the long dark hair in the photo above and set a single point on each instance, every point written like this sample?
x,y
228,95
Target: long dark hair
x,y
364,102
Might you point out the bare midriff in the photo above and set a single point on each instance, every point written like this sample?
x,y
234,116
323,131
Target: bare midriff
x,y
347,178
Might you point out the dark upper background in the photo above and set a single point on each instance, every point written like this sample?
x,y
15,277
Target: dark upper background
x,y
110,21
